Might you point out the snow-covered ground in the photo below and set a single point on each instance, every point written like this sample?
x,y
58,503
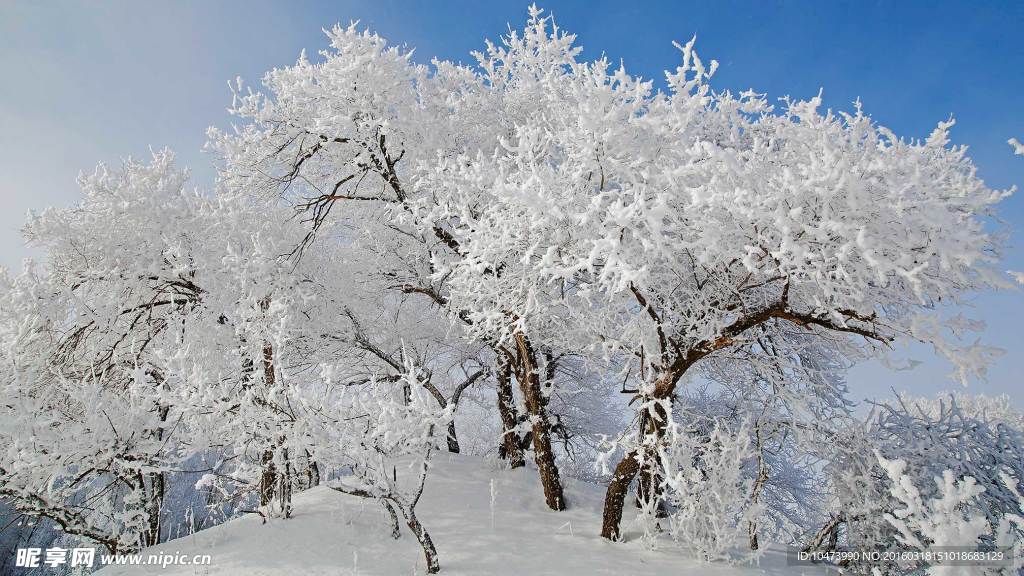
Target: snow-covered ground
x,y
340,535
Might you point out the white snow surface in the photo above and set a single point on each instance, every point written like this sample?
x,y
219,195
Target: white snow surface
x,y
340,535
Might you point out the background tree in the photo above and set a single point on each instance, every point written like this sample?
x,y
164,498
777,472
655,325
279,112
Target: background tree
x,y
90,415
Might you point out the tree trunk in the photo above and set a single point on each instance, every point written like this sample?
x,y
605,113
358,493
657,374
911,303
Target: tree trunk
x,y
452,438
615,497
762,477
433,566
312,471
629,466
395,529
268,479
157,484
544,456
285,485
827,538
648,485
509,448
453,441
275,485
154,505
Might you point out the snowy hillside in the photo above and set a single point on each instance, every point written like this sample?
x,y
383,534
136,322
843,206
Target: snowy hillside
x,y
336,534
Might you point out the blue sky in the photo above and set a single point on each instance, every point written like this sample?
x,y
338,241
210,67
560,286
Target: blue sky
x,y
82,82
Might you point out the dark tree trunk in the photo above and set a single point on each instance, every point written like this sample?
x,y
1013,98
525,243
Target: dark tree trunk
x,y
453,440
154,505
536,407
827,538
615,497
648,484
312,471
275,485
268,479
285,485
452,437
157,485
628,468
509,449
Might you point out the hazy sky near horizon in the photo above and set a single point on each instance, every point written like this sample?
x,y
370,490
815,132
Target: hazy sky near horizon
x,y
82,82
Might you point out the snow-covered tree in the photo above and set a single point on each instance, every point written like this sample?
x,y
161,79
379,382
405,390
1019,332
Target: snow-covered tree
x,y
88,412
352,130
682,226
371,430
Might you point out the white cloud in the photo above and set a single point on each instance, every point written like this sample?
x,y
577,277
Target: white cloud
x,y
1018,148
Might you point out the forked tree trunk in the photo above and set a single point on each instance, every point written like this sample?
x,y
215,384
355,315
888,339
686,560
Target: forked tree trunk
x,y
276,485
391,502
536,406
509,449
628,468
452,437
150,488
827,538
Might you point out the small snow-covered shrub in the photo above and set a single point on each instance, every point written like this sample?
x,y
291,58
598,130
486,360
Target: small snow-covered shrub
x,y
708,490
923,474
952,518
949,519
